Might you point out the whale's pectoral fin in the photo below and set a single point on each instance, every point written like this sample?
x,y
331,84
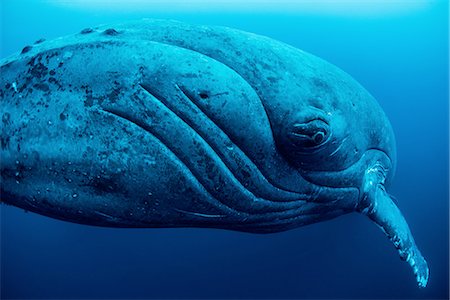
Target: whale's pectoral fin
x,y
380,208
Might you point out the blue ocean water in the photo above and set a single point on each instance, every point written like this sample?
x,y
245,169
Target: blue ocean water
x,y
400,55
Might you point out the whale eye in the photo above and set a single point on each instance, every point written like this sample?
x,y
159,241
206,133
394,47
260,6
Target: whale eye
x,y
309,135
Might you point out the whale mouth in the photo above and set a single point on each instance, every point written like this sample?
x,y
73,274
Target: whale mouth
x,y
353,176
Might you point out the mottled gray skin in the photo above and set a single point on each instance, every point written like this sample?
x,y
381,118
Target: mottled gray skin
x,y
164,124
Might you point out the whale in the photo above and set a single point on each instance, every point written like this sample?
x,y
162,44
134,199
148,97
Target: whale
x,y
160,123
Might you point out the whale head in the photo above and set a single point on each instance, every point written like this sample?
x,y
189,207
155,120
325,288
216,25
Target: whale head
x,y
337,135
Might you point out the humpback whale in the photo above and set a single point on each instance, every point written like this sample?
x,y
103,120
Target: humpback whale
x,y
159,123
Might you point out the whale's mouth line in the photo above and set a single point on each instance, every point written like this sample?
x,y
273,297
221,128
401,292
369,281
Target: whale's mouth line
x,y
347,174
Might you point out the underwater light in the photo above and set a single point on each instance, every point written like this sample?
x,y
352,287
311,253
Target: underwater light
x,y
345,7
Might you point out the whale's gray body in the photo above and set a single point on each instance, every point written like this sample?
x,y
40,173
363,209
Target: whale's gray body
x,y
165,124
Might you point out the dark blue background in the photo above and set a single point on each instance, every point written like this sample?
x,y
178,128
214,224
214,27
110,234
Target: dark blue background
x,y
400,57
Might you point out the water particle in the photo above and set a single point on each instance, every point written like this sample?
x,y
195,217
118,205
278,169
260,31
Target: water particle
x,y
150,162
74,195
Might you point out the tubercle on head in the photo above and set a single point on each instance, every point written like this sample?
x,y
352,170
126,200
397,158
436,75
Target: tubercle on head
x,y
107,32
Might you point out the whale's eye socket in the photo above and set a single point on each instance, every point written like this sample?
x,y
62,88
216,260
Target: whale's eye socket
x,y
310,135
